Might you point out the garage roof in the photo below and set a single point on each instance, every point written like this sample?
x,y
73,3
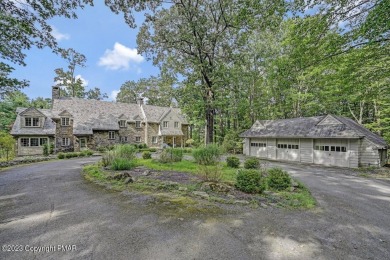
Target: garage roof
x,y
329,126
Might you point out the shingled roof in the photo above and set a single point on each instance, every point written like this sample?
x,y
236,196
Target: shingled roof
x,y
311,127
155,114
89,115
49,127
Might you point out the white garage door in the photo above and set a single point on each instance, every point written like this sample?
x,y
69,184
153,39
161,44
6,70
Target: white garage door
x,y
332,152
259,148
287,149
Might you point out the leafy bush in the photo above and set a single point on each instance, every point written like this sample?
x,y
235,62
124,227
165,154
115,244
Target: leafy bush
x,y
250,181
146,155
252,163
171,155
108,158
232,143
82,154
46,149
88,152
207,155
190,142
126,151
101,149
152,150
278,179
120,164
211,172
61,155
233,162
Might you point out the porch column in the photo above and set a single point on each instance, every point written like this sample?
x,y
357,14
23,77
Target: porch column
x,y
181,140
173,141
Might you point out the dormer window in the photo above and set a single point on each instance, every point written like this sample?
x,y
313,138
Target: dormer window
x,y
165,124
122,123
31,121
137,124
176,124
65,121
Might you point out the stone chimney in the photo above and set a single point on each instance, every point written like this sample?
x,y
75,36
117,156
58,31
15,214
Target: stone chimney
x,y
140,101
55,93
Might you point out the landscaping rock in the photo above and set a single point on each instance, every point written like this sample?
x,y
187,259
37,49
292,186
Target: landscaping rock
x,y
216,186
121,175
242,202
294,184
129,180
231,196
201,194
183,189
146,173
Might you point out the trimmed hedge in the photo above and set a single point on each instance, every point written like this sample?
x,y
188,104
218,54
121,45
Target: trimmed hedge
x,y
233,162
278,179
250,181
252,163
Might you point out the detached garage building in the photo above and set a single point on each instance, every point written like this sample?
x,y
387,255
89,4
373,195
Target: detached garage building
x,y
327,140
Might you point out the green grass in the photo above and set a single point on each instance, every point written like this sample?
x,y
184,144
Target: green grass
x,y
301,198
228,174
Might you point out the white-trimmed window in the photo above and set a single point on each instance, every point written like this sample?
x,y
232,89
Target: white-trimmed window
x,y
137,124
122,123
65,141
124,139
138,139
25,141
165,124
65,121
111,135
34,141
31,121
154,139
176,124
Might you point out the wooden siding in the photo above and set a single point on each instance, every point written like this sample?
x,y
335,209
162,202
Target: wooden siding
x,y
271,146
247,145
368,156
306,150
354,153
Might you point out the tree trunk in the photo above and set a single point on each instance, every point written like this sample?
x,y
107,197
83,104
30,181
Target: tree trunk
x,y
209,135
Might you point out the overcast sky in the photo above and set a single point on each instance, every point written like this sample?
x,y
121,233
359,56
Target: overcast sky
x,y
104,38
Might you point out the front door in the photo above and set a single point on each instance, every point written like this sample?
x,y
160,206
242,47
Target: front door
x,y
83,143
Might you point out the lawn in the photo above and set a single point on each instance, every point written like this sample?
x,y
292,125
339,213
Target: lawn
x,y
228,174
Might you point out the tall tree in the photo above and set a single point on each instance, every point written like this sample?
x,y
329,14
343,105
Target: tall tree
x,y
198,38
66,79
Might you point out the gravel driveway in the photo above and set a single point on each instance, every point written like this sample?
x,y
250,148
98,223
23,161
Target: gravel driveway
x,y
50,206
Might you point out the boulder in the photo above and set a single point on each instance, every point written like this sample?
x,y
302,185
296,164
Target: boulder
x,y
129,180
202,194
146,173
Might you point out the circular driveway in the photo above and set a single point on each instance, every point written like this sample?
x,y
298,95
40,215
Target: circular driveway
x,y
48,211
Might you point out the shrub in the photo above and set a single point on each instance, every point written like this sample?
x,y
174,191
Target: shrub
x,y
233,162
101,149
211,172
278,179
120,164
207,155
82,154
126,151
61,155
88,152
252,163
68,155
190,142
171,155
108,158
46,149
146,155
152,150
250,181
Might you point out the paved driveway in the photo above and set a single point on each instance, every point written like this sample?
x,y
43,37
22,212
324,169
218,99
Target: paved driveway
x,y
49,204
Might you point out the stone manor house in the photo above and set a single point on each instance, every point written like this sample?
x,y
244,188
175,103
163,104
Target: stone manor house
x,y
74,124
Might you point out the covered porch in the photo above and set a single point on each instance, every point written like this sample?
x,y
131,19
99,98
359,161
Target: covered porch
x,y
173,140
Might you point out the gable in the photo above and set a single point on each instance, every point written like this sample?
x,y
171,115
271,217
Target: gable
x,y
65,114
32,112
330,120
137,118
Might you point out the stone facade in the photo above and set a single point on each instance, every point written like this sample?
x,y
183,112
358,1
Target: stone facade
x,y
75,124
